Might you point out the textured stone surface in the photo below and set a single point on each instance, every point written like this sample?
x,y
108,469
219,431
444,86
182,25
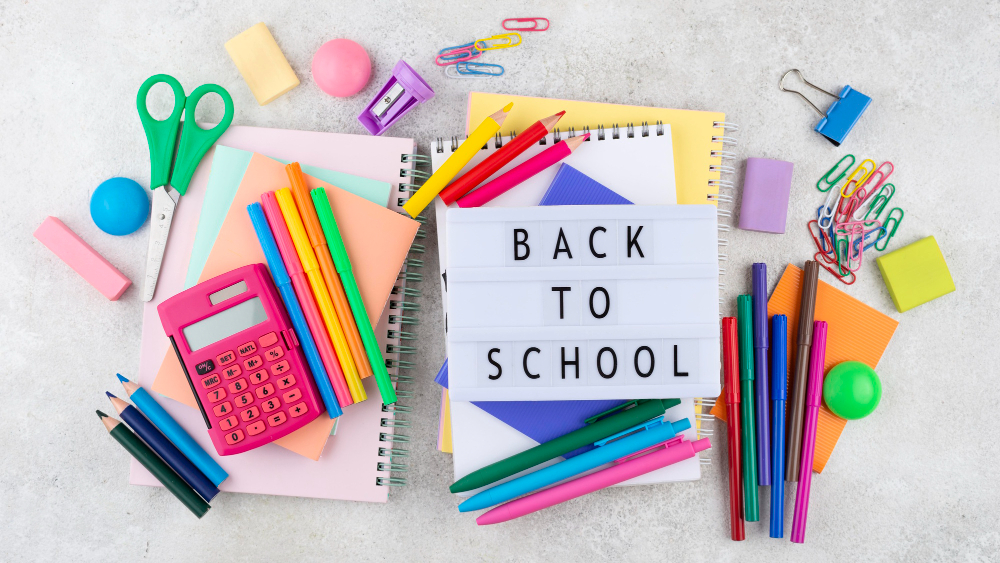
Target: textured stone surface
x,y
916,480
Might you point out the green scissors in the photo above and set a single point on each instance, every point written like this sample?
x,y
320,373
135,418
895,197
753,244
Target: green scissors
x,y
170,172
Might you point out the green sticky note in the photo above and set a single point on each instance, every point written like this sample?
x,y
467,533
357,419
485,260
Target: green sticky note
x,y
915,274
228,167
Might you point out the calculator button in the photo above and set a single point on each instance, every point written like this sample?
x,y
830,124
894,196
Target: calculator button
x,y
232,371
274,354
244,400
223,409
280,367
286,381
204,368
256,428
216,395
259,376
250,414
298,410
270,404
238,385
226,358
292,396
234,437
253,363
229,423
276,419
265,391
247,349
268,339
211,381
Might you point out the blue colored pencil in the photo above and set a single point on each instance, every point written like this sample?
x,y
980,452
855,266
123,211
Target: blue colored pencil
x,y
779,393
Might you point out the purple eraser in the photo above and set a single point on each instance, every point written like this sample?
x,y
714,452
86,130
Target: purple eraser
x,y
404,91
766,187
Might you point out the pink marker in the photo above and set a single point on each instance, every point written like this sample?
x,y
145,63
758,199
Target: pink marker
x,y
639,463
814,397
301,286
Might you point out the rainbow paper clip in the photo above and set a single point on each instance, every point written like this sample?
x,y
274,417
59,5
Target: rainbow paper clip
x,y
501,41
533,21
826,177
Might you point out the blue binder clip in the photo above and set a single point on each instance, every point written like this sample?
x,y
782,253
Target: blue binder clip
x,y
841,116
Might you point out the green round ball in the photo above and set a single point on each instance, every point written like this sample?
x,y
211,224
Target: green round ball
x,y
852,390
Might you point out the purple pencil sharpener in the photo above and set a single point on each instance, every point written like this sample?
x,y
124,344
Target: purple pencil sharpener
x,y
404,90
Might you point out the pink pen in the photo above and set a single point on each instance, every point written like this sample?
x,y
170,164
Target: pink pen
x,y
814,397
301,286
639,463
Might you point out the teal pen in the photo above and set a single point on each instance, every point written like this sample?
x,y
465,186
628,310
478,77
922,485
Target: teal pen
x,y
173,431
624,443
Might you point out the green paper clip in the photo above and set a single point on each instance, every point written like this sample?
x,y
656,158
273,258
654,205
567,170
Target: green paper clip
x,y
826,177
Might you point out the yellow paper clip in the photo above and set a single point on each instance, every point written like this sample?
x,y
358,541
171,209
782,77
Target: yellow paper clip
x,y
858,181
502,41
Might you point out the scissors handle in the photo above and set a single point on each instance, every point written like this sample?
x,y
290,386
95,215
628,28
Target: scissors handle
x,y
196,141
160,135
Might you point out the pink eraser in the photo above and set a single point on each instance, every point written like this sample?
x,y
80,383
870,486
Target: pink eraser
x,y
766,186
73,250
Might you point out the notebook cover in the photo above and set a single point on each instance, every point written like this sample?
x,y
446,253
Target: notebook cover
x,y
855,331
692,131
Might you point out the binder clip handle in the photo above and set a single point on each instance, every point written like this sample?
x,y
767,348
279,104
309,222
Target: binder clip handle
x,y
781,86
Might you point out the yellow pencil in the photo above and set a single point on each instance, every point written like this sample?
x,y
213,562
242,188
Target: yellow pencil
x,y
311,267
458,159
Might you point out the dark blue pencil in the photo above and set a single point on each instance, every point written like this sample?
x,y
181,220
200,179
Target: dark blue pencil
x,y
779,393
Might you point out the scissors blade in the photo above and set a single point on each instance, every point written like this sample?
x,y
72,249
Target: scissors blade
x,y
164,204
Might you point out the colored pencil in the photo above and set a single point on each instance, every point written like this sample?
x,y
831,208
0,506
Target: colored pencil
x,y
731,379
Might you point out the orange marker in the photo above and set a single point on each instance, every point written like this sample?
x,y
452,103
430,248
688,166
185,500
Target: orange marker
x,y
300,192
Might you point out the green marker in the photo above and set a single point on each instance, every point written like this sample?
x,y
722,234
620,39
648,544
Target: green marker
x,y
744,320
342,263
598,428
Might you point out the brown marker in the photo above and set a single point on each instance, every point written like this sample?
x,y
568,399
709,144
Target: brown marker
x,y
807,309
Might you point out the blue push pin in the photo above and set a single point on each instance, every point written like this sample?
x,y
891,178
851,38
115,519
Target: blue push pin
x,y
842,114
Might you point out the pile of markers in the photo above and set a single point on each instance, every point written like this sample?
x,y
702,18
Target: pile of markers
x,y
853,219
456,60
164,448
759,453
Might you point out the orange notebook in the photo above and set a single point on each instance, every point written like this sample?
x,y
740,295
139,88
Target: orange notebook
x,y
855,331
377,241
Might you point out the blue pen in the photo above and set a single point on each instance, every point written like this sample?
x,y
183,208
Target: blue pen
x,y
760,372
284,285
609,449
779,392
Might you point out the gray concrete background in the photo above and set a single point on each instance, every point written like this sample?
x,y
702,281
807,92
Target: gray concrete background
x,y
916,480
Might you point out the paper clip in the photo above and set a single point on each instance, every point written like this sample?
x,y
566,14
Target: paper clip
x,y
472,70
451,72
457,54
848,233
886,236
880,200
501,41
821,240
826,177
828,209
880,229
843,279
866,190
533,21
857,181
844,210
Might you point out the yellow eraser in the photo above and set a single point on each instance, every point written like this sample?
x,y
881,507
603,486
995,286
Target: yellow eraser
x,y
262,64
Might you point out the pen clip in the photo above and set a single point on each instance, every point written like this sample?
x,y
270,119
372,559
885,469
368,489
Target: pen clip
x,y
649,450
608,412
652,423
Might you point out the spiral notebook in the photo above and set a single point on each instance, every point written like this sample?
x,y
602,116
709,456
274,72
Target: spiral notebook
x,y
357,463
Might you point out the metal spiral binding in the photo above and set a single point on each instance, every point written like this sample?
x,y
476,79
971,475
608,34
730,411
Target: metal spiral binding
x,y
402,335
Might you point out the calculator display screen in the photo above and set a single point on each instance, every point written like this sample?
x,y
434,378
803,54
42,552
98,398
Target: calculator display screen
x,y
225,324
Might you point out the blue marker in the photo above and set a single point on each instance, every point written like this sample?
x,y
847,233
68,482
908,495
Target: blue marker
x,y
284,285
760,372
635,439
779,392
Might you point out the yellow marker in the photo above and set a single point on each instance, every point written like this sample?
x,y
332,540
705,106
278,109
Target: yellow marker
x,y
311,267
458,159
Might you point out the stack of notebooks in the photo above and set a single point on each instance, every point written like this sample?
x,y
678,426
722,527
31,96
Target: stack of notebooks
x,y
347,458
636,155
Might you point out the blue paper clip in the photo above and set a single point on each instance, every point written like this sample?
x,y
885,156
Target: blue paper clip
x,y
482,69
842,115
450,57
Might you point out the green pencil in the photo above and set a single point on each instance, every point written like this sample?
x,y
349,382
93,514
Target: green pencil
x,y
593,432
744,319
342,262
155,465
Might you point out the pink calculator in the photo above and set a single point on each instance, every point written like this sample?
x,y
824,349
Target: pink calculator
x,y
241,358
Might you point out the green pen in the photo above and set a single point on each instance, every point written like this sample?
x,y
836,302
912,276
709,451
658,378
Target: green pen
x,y
744,320
598,428
342,263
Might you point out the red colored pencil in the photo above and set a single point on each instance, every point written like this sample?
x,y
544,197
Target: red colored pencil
x,y
499,159
731,380
523,171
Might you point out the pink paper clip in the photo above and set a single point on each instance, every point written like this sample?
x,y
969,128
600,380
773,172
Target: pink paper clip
x,y
533,21
853,232
457,55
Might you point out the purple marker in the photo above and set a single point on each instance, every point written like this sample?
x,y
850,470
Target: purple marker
x,y
404,91
761,387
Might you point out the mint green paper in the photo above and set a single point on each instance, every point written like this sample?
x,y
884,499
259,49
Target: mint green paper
x,y
228,167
